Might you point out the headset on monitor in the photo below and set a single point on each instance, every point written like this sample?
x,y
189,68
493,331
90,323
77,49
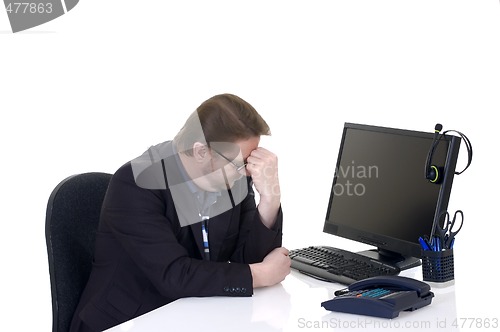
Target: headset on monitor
x,y
435,173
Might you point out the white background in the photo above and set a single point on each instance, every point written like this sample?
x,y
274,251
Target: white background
x,y
97,86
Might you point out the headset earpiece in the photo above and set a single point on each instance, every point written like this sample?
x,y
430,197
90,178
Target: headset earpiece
x,y
435,174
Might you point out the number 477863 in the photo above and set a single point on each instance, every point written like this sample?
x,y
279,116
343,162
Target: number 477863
x,y
29,8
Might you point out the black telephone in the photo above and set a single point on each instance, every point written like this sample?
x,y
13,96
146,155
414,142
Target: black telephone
x,y
381,297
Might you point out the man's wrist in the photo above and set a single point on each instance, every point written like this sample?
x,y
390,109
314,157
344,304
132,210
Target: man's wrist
x,y
268,211
256,270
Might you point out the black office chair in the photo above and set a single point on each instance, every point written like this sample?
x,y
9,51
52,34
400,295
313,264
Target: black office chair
x,y
71,222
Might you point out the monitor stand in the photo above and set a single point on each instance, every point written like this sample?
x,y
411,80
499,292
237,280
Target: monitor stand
x,y
392,258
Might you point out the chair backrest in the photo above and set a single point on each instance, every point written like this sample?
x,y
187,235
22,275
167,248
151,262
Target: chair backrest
x,y
71,222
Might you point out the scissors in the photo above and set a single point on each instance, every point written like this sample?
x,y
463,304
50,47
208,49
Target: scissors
x,y
447,233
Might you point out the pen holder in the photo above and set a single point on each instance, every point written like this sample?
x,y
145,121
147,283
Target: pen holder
x,y
438,266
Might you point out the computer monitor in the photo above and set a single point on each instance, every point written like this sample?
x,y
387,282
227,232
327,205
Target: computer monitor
x,y
380,194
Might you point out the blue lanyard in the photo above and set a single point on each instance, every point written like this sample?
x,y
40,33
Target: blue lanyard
x,y
206,200
204,232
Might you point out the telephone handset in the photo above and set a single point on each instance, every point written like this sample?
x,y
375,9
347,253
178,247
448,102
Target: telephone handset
x,y
381,297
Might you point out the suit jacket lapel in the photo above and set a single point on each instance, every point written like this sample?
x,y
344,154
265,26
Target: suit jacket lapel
x,y
221,216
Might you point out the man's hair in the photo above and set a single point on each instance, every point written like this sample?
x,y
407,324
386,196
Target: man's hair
x,y
223,118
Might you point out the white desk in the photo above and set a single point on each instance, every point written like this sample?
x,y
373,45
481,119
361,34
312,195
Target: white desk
x,y
293,305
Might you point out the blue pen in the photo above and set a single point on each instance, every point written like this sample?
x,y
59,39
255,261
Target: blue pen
x,y
424,244
438,243
435,244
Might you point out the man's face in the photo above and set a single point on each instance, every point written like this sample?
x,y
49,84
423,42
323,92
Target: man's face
x,y
228,162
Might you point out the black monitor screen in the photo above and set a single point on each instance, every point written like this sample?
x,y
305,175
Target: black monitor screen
x,y
380,194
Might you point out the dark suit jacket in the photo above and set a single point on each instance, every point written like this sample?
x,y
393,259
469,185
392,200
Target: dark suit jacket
x,y
144,258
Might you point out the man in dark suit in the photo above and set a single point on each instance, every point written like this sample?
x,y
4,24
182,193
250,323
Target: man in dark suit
x,y
182,220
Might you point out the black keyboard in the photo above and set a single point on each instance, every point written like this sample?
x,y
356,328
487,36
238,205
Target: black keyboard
x,y
337,265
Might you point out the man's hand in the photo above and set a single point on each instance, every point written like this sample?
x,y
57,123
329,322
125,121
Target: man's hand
x,y
272,270
263,168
